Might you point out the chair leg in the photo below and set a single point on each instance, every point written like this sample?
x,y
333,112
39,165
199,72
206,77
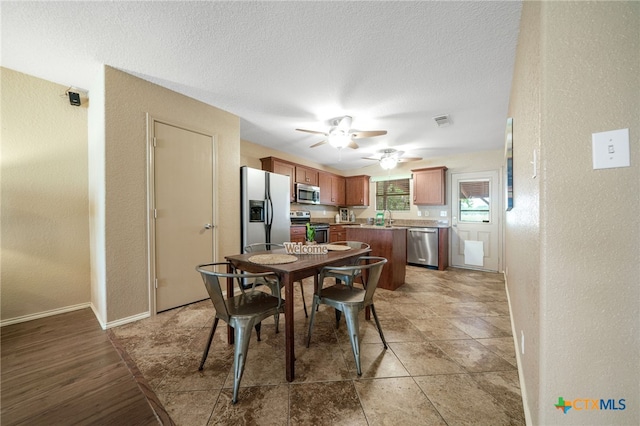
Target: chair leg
x,y
206,348
338,315
242,337
276,318
353,326
304,303
375,317
314,308
258,328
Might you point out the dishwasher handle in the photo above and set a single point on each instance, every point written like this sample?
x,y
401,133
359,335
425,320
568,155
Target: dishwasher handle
x,y
424,231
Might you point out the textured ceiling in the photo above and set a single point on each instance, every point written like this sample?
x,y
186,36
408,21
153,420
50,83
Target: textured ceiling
x,y
286,65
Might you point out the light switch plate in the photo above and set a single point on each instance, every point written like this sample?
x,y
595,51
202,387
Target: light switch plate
x,y
610,149
443,213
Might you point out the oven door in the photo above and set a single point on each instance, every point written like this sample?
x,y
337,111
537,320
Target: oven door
x,y
322,235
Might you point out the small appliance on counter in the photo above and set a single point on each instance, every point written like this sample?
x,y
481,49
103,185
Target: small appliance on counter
x,y
344,215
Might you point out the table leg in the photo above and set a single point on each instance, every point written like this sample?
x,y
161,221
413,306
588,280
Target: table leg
x,y
288,328
230,332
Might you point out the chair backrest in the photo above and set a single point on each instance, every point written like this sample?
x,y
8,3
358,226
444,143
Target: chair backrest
x,y
250,248
372,264
374,270
211,278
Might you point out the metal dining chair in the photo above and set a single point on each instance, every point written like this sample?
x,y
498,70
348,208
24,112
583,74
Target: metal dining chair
x,y
350,300
272,246
242,312
354,245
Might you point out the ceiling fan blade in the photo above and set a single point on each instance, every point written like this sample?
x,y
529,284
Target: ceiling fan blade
x,y
402,160
318,144
368,133
315,132
370,158
353,145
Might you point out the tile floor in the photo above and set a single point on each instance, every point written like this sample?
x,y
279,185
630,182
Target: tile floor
x,y
450,361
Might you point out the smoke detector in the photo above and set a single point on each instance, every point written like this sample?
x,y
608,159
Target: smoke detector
x,y
442,120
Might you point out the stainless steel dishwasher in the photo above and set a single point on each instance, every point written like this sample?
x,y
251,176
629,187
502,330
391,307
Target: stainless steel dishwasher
x,y
422,247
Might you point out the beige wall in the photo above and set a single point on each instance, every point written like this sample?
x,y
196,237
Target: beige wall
x,y
44,220
120,247
573,237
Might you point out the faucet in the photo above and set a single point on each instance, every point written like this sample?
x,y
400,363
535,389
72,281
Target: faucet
x,y
384,214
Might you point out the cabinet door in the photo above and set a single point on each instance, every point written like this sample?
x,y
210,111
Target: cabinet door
x,y
331,189
274,165
298,234
306,175
429,186
337,190
357,190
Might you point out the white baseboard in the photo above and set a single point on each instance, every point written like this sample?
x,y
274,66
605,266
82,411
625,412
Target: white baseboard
x,y
45,314
523,388
58,311
126,320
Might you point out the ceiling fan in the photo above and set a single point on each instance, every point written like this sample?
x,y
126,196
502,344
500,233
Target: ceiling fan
x,y
341,135
389,158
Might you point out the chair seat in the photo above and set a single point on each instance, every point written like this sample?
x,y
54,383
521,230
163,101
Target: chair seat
x,y
343,294
250,304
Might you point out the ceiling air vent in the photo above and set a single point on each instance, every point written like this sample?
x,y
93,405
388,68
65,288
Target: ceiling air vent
x,y
442,120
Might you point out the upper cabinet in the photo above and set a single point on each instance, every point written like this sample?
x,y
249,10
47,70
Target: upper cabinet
x,y
306,175
332,189
429,186
275,165
357,190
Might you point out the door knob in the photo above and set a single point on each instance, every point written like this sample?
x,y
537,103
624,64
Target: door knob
x,y
208,226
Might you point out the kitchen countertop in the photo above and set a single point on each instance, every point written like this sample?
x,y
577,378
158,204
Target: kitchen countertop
x,y
404,224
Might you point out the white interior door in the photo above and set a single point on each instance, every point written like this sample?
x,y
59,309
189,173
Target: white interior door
x,y
475,221
183,193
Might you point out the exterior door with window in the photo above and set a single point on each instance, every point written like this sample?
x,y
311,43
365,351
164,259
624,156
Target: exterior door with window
x,y
475,222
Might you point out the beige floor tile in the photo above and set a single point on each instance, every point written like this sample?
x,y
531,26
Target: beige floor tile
x,y
396,401
503,346
437,328
375,361
259,405
325,403
473,356
504,386
477,327
189,408
423,358
461,401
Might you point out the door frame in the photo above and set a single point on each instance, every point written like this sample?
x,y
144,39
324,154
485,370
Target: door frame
x,y
500,216
151,237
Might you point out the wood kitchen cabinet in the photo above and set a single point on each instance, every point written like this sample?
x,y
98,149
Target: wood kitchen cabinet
x,y
306,175
337,233
429,186
298,233
357,190
332,189
275,165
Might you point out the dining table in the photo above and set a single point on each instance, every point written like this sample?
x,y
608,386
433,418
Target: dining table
x,y
304,266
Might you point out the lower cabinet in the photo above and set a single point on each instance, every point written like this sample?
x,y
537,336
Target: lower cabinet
x,y
337,233
298,233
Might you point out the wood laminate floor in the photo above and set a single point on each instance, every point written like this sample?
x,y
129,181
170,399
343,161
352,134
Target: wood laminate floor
x,y
63,370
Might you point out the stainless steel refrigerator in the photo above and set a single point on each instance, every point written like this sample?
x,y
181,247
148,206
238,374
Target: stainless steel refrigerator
x,y
265,207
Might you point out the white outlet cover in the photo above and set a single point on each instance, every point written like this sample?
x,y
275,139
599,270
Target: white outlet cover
x,y
610,149
443,213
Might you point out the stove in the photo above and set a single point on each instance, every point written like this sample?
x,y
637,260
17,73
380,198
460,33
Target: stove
x,y
302,217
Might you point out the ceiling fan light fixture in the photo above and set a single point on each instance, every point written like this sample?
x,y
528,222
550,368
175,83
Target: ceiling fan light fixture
x,y
339,138
388,162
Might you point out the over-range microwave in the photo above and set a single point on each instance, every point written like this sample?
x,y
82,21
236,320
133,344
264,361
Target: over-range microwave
x,y
307,194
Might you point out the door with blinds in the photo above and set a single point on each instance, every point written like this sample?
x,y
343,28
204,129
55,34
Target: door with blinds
x,y
475,220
